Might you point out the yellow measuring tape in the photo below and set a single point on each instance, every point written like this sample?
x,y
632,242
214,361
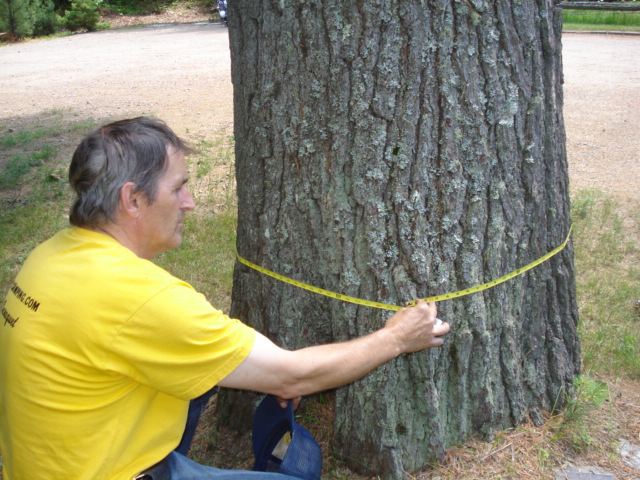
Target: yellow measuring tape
x,y
386,306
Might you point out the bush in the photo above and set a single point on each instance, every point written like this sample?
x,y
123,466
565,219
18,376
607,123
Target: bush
x,y
83,15
46,21
137,7
16,17
25,18
47,24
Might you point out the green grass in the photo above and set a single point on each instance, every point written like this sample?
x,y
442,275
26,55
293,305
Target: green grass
x,y
584,27
591,17
577,419
24,137
601,20
21,164
608,281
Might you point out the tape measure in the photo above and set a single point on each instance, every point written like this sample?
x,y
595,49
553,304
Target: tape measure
x,y
386,306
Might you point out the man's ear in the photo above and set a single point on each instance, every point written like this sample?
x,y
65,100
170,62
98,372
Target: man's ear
x,y
130,200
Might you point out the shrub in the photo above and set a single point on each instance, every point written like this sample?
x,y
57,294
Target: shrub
x,y
83,15
137,7
46,21
16,17
24,18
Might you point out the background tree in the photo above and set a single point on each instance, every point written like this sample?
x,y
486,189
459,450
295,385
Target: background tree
x,y
84,15
402,149
46,22
23,18
17,17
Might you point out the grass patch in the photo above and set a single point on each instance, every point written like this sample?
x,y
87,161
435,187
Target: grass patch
x,y
601,20
592,17
24,137
585,27
608,281
577,419
20,164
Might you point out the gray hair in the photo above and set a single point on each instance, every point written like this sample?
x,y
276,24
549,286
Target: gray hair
x,y
133,150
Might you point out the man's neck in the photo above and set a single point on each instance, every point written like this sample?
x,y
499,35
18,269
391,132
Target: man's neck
x,y
122,235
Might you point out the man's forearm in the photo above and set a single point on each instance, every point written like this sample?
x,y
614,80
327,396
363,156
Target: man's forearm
x,y
323,367
288,374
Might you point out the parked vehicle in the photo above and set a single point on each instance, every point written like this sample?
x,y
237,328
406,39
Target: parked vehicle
x,y
222,11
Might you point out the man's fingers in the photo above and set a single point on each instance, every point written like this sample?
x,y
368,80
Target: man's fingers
x,y
283,402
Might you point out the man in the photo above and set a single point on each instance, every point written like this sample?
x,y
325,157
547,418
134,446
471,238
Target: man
x,y
101,351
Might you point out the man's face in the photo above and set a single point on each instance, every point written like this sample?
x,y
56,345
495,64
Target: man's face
x,y
161,221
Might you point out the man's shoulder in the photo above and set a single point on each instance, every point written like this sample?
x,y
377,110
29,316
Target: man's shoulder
x,y
90,258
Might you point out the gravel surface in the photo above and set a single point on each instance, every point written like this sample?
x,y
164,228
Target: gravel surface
x,y
181,73
602,112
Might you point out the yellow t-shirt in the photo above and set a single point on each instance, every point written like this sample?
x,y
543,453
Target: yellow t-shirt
x,y
100,353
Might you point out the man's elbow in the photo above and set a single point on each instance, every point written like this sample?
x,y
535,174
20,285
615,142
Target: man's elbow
x,y
292,388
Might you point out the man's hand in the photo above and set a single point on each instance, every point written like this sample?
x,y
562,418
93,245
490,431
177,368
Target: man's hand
x,y
414,327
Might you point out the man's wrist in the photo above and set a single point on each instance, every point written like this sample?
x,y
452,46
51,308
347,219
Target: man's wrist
x,y
391,341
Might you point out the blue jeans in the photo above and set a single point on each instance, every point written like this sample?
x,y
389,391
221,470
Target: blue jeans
x,y
176,466
182,468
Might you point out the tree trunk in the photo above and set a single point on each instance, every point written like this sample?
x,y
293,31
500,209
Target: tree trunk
x,y
398,150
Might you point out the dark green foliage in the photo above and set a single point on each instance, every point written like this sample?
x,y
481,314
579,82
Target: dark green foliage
x,y
62,5
138,7
46,22
16,17
83,15
23,18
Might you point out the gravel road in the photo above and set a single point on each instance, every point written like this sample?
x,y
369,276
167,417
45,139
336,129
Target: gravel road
x,y
181,73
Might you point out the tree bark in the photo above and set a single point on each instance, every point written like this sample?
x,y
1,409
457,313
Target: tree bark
x,y
398,150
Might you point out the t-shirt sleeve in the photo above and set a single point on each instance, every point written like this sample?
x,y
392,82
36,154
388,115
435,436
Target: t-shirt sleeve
x,y
177,343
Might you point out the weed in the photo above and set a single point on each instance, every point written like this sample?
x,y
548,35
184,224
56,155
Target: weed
x,y
588,396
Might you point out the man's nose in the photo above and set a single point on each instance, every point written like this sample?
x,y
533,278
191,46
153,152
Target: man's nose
x,y
188,203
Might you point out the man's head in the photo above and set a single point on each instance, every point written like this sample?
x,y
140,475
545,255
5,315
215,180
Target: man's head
x,y
134,150
130,179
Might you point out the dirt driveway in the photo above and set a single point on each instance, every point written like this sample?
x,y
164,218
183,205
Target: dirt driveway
x,y
181,73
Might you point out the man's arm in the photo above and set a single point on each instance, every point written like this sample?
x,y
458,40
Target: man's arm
x,y
289,374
